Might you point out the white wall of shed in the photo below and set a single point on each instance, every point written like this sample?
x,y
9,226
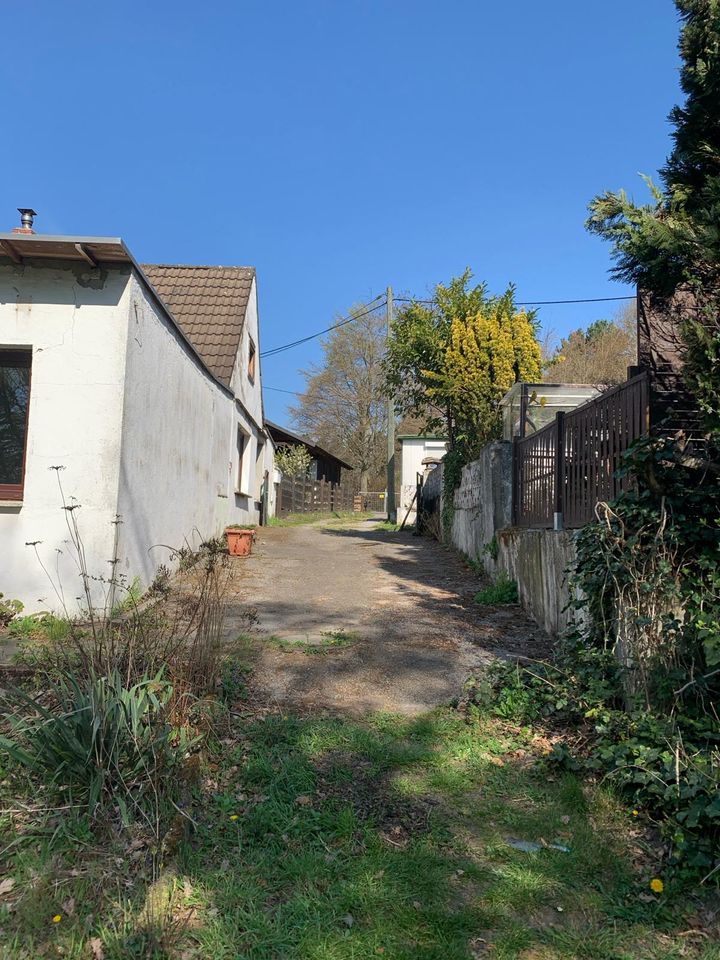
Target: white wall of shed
x,y
75,320
413,452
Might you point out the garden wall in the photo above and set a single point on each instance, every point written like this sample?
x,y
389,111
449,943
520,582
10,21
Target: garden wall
x,y
538,560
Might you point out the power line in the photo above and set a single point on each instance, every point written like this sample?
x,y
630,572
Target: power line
x,y
293,393
378,306
313,336
535,303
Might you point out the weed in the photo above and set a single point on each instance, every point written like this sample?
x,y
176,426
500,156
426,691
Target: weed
x,y
503,590
328,640
9,609
95,742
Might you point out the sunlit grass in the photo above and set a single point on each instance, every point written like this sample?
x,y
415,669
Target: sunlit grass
x,y
320,838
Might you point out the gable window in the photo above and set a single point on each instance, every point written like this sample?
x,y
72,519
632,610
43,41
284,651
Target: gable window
x,y
14,405
251,360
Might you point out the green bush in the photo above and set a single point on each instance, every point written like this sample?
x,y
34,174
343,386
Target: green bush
x,y
9,609
97,742
503,590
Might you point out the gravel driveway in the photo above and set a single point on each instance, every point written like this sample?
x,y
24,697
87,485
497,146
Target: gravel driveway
x,y
352,619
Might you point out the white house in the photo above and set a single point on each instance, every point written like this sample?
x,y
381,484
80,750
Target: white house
x,y
143,384
417,455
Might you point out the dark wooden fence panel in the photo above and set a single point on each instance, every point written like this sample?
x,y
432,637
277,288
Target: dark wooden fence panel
x,y
303,495
534,480
562,472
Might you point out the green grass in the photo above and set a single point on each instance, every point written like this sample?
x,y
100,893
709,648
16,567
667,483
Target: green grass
x,y
328,640
328,839
395,527
503,590
297,519
39,625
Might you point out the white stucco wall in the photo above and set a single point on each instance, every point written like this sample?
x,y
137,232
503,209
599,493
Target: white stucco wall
x,y
75,321
249,394
179,464
144,431
413,452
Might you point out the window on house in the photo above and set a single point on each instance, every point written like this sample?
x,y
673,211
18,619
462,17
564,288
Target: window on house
x,y
241,478
14,404
252,352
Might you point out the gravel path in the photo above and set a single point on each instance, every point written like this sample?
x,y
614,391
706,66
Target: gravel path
x,y
402,605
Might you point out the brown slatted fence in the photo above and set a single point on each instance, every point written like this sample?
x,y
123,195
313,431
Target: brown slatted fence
x,y
562,472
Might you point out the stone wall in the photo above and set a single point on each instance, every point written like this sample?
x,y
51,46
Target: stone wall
x,y
483,503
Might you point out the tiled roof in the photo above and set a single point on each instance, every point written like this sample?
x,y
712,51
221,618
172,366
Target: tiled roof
x,y
209,303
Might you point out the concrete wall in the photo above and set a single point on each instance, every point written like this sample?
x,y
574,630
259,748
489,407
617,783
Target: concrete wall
x,y
538,560
248,393
177,429
483,503
75,320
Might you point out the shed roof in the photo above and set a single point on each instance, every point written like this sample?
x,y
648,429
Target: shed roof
x,y
283,435
209,303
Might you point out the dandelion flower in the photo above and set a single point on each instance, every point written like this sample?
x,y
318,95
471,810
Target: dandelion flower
x,y
57,918
656,885
234,816
636,813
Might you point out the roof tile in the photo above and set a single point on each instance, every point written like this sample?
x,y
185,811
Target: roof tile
x,y
209,303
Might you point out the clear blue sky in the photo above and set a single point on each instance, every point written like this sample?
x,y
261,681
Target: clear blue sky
x,y
339,145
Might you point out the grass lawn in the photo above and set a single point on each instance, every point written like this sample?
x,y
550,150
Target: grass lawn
x,y
296,519
317,838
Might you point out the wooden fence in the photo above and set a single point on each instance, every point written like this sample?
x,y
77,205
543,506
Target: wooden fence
x,y
302,495
564,470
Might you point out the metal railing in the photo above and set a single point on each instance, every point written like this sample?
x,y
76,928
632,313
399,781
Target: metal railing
x,y
564,470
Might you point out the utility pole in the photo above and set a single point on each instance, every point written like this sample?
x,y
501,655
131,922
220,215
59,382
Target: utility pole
x,y
391,509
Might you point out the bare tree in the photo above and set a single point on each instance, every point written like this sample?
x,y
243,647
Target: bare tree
x,y
600,354
343,406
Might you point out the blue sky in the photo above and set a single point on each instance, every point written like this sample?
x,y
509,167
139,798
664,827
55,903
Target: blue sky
x,y
339,145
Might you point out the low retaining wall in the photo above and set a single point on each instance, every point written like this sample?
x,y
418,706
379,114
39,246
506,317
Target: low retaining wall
x,y
539,562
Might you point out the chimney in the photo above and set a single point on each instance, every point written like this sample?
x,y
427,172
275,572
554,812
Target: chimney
x,y
27,215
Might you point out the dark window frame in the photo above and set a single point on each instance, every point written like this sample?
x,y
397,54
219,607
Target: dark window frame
x,y
23,358
252,359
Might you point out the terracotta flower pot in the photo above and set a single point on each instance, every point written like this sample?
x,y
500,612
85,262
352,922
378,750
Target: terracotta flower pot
x,y
239,541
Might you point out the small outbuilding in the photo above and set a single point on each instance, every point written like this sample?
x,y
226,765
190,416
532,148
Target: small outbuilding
x,y
418,455
324,466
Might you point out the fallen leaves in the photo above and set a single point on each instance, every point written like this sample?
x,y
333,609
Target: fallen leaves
x,y
6,886
96,949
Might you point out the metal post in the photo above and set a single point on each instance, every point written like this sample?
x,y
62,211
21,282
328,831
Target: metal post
x,y
559,470
391,509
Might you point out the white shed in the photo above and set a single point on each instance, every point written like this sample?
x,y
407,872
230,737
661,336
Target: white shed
x,y
417,455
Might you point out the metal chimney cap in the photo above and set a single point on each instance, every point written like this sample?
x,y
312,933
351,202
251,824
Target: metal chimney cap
x,y
27,215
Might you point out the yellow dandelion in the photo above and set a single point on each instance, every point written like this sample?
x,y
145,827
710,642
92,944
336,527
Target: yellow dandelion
x,y
234,816
656,885
57,918
636,813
